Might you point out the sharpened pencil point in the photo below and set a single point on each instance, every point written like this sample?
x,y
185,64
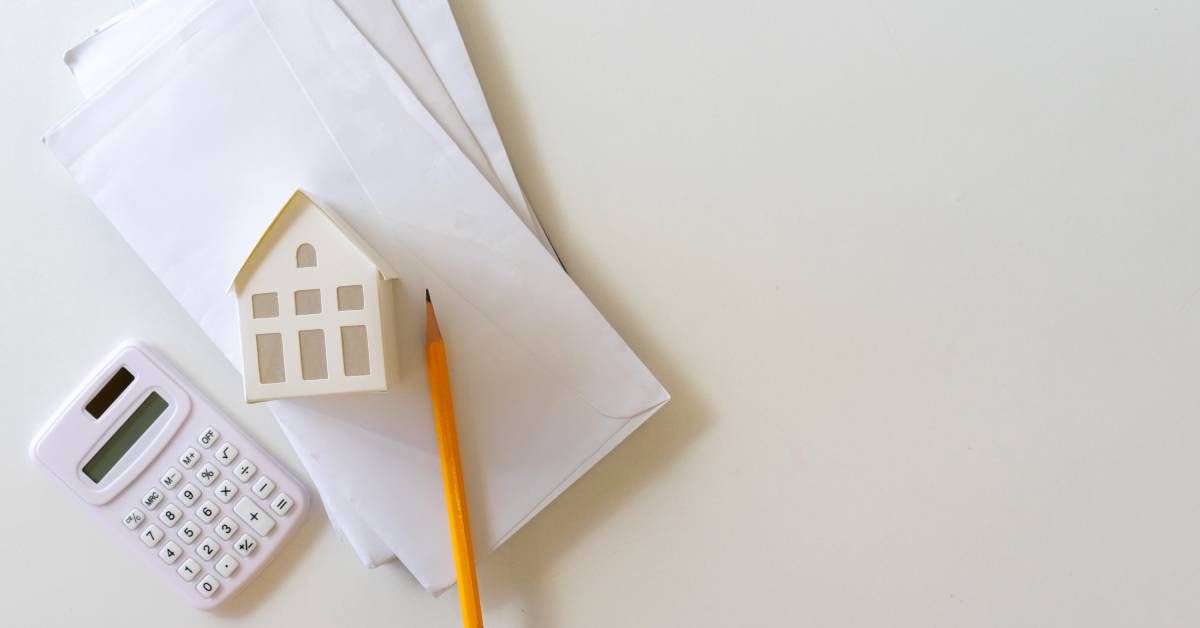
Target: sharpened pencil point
x,y
432,331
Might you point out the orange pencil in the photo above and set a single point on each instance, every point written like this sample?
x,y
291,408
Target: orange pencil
x,y
456,491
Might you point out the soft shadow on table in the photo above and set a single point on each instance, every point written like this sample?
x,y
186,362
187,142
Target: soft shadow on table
x,y
521,569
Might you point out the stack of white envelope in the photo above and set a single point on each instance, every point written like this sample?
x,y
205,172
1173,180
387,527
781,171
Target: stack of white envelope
x,y
202,117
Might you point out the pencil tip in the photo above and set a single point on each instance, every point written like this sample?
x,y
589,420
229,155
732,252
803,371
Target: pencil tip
x,y
432,331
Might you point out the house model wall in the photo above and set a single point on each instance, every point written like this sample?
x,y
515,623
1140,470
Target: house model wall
x,y
315,308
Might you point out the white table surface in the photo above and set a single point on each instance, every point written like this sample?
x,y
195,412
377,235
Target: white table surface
x,y
922,277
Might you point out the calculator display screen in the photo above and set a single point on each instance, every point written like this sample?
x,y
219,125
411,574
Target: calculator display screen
x,y
122,440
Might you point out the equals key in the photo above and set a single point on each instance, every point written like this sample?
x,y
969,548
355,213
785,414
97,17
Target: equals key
x,y
282,504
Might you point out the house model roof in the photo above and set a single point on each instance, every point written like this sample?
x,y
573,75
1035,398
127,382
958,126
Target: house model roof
x,y
297,202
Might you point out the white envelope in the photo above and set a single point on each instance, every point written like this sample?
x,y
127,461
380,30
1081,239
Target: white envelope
x,y
447,86
432,22
453,87
192,150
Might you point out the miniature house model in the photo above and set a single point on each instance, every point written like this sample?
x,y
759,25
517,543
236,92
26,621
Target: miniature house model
x,y
314,307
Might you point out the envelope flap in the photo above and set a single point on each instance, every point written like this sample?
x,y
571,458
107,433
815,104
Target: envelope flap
x,y
449,219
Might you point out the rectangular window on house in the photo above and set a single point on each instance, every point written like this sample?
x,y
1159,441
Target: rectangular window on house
x,y
265,305
308,302
313,364
350,298
355,355
270,358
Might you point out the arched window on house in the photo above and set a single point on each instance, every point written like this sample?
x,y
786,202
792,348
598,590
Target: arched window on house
x,y
306,256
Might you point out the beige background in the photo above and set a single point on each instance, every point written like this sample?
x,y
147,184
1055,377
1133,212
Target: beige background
x,y
923,278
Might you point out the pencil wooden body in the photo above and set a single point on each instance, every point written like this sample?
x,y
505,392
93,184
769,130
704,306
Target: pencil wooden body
x,y
455,488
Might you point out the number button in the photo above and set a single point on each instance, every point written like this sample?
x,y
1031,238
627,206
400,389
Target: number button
x,y
282,504
207,511
134,519
226,566
226,491
207,549
171,478
226,454
170,515
170,553
152,536
208,438
208,586
188,570
263,487
208,474
188,495
188,458
188,533
244,471
226,528
151,499
245,545
259,520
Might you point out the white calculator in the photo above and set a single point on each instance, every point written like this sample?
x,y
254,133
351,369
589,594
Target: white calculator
x,y
178,485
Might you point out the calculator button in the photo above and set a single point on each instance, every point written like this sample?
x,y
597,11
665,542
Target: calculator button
x,y
170,553
226,528
226,566
151,499
152,536
245,545
189,569
207,549
245,470
207,511
207,474
188,533
188,495
256,517
134,519
188,458
263,487
171,478
208,438
226,454
208,586
226,491
170,515
282,504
